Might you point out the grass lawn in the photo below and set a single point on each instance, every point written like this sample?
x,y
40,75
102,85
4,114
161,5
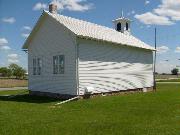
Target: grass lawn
x,y
133,114
8,83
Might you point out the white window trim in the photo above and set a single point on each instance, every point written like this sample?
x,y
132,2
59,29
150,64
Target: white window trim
x,y
36,66
58,73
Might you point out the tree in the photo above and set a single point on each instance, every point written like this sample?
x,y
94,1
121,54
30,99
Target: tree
x,y
17,71
156,73
13,68
175,71
6,72
20,73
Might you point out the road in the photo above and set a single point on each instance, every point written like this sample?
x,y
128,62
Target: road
x,y
14,88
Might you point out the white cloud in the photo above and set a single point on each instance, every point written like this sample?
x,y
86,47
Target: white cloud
x,y
40,6
168,9
3,41
5,48
59,3
25,35
13,58
26,28
174,15
147,2
177,50
10,20
3,44
73,5
150,18
162,49
76,5
131,13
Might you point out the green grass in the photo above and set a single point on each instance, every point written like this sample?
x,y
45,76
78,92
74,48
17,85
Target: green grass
x,y
13,92
171,80
133,114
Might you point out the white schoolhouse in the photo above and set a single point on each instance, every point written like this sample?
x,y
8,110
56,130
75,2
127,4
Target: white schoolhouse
x,y
68,56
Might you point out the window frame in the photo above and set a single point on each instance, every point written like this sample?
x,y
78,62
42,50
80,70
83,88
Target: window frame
x,y
37,66
58,68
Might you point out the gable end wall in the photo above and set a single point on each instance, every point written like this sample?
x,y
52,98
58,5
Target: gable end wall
x,y
50,40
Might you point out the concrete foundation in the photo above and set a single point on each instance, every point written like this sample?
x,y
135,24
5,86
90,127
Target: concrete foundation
x,y
66,96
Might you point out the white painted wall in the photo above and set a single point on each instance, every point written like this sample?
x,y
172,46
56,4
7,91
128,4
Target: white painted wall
x,y
104,66
53,39
108,67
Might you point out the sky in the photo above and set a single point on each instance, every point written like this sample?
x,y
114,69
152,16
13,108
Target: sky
x,y
18,17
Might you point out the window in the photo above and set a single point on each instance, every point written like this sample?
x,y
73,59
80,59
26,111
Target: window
x,y
58,64
127,26
119,27
37,65
34,66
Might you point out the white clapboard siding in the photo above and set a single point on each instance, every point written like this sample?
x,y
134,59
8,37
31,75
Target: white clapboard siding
x,y
107,67
50,40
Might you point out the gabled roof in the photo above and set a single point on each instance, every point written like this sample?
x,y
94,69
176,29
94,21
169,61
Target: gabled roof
x,y
93,31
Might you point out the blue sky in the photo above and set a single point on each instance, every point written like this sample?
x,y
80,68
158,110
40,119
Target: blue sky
x,y
18,17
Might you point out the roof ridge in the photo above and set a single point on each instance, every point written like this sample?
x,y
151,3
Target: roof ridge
x,y
96,31
84,21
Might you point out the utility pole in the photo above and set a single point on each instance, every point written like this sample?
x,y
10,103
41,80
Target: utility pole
x,y
155,45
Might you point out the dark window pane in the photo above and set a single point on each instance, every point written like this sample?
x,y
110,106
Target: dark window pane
x,y
39,65
39,71
34,62
61,64
34,66
119,27
55,64
127,26
34,70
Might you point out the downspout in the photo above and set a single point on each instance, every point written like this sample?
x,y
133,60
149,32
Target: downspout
x,y
77,66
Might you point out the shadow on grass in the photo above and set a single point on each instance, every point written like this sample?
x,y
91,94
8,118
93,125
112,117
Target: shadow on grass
x,y
29,99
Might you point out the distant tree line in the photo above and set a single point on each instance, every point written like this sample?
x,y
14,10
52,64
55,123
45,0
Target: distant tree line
x,y
174,71
13,70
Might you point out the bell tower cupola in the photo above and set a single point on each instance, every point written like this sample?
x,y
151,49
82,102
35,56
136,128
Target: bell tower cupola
x,y
122,25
